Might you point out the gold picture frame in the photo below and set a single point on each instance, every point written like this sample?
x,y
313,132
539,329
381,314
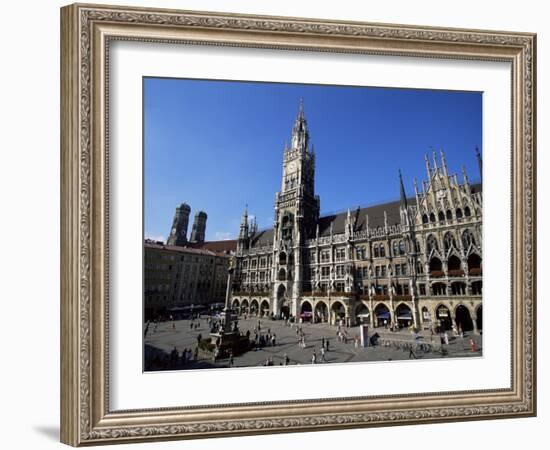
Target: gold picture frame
x,y
86,32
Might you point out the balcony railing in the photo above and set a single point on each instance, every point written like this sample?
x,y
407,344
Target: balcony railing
x,y
456,273
437,274
476,271
405,298
379,297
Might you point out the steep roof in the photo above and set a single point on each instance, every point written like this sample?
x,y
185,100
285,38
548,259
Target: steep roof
x,y
375,213
338,220
179,249
262,238
226,246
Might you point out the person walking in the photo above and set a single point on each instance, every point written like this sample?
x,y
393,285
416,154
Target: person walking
x,y
314,358
326,344
412,355
286,359
323,351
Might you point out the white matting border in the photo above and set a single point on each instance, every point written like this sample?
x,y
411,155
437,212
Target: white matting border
x,y
132,389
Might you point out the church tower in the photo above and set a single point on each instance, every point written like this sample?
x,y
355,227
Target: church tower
x,y
296,215
198,231
178,233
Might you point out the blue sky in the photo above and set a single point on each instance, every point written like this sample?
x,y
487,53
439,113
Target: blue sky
x,y
218,145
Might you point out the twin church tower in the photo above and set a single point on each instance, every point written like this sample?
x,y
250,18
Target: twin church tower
x,y
178,233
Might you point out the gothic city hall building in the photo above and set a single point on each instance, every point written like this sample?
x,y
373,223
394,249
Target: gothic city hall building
x,y
416,261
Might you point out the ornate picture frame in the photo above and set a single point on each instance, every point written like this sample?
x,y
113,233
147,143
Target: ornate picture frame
x,y
86,34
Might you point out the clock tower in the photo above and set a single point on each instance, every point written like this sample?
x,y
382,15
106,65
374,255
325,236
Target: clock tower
x,y
296,215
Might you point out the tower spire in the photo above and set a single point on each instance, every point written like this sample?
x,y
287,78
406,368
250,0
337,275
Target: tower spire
x,y
243,232
300,133
428,168
443,162
479,163
403,195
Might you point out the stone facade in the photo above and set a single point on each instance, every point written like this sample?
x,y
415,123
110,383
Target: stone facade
x,y
415,261
177,276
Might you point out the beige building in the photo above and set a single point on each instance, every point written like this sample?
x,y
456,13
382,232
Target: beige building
x,y
415,261
176,277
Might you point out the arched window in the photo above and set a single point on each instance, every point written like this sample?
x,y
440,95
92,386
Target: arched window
x,y
467,212
454,266
376,251
435,266
401,248
449,241
468,239
282,258
449,215
439,289
431,244
419,267
474,264
432,217
417,246
395,248
441,216
382,250
458,213
425,218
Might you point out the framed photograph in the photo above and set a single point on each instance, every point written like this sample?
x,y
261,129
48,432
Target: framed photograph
x,y
277,225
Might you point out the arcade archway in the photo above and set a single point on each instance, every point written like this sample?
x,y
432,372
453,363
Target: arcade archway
x,y
306,312
264,308
362,314
338,313
463,318
382,315
479,318
321,312
443,316
403,316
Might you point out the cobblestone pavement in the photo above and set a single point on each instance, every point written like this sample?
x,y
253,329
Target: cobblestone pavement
x,y
394,345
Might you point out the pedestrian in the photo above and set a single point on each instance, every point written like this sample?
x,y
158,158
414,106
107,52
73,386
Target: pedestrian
x,y
230,358
412,355
146,329
191,325
286,359
446,338
196,354
184,356
314,358
199,338
323,342
323,354
326,344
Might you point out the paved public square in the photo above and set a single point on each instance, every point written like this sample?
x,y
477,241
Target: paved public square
x,y
161,340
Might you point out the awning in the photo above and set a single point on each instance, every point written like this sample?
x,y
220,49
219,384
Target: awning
x,y
384,315
405,317
363,315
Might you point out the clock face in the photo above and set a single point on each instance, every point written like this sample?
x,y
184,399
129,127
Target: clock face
x,y
292,167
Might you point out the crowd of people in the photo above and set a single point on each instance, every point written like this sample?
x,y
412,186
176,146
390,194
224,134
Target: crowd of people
x,y
261,336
